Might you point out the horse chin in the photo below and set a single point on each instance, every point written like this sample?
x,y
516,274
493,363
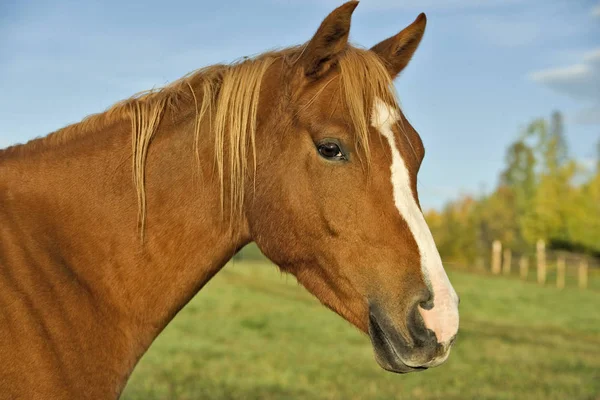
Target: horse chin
x,y
394,365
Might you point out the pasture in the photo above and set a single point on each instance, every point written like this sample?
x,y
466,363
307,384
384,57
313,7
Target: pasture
x,y
253,333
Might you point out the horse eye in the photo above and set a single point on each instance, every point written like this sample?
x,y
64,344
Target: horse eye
x,y
331,151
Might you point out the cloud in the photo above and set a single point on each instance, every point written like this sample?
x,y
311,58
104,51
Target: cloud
x,y
596,11
580,81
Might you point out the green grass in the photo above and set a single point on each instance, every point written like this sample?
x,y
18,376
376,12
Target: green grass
x,y
252,333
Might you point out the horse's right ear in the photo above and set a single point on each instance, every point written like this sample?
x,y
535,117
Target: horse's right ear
x,y
323,50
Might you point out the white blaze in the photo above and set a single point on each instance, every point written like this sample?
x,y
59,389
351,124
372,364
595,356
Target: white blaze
x,y
443,317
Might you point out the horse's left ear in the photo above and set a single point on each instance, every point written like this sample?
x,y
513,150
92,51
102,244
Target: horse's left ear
x,y
397,50
329,41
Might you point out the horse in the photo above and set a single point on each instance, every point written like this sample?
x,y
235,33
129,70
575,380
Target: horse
x,y
109,226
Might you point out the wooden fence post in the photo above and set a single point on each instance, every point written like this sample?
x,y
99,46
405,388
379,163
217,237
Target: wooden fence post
x,y
541,261
524,267
496,255
560,272
506,261
583,274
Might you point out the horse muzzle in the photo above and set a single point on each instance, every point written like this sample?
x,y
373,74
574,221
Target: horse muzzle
x,y
415,349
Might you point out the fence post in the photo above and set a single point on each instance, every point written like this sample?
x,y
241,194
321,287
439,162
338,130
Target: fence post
x,y
496,255
583,274
560,272
523,267
506,261
541,261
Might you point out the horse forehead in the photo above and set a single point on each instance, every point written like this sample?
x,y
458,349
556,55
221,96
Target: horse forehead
x,y
389,121
385,120
321,105
384,116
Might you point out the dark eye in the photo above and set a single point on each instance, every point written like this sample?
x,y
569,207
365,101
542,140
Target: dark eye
x,y
331,151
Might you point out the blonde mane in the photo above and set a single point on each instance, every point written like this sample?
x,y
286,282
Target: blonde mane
x,y
228,100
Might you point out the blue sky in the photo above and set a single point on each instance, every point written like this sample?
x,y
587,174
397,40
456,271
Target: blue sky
x,y
485,68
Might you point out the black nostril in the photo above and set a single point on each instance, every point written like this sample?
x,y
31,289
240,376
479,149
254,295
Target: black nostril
x,y
426,305
421,336
425,299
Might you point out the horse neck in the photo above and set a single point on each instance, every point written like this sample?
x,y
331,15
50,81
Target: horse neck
x,y
70,238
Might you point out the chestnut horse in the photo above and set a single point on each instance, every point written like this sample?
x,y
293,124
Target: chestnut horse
x,y
304,151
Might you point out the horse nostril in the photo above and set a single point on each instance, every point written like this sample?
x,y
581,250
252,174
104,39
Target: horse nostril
x,y
421,336
427,305
425,299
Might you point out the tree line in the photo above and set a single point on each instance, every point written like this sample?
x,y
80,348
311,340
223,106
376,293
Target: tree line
x,y
542,193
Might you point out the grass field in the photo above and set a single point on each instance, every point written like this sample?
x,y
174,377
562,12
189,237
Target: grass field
x,y
252,333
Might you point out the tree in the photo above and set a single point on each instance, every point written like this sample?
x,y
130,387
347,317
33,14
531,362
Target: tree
x,y
518,183
546,216
537,197
584,221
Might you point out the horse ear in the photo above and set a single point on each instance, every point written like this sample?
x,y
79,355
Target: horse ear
x,y
397,50
329,41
